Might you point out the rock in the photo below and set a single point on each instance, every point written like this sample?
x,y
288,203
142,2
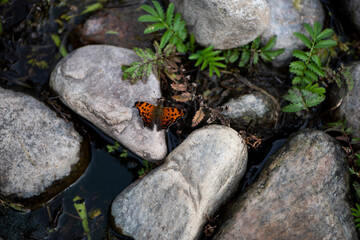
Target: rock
x,y
350,105
117,26
302,194
89,81
287,17
351,9
224,24
174,200
251,110
38,149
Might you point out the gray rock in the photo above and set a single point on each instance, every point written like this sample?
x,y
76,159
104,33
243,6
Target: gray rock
x,y
172,201
37,148
255,109
89,81
350,104
287,17
224,24
352,10
302,194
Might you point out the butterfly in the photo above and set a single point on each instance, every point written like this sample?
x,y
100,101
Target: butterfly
x,y
160,116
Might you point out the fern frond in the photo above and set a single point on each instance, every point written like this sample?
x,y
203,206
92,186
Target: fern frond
x,y
300,55
159,9
311,75
270,44
154,27
324,34
170,14
310,30
316,69
304,39
325,43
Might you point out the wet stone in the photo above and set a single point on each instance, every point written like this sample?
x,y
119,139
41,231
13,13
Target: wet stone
x,y
174,200
37,150
303,193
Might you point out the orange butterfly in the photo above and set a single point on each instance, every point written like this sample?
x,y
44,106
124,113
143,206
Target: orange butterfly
x,y
160,116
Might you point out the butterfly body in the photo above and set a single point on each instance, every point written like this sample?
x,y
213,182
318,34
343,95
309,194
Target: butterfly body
x,y
160,116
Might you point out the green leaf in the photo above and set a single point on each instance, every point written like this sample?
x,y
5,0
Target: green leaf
x,y
165,38
92,7
245,57
159,9
316,69
170,14
325,43
154,27
298,65
270,44
304,39
324,34
316,60
317,28
256,43
148,18
310,30
311,75
300,55
293,107
150,10
271,55
79,205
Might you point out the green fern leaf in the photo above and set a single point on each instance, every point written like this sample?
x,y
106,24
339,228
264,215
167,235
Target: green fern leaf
x,y
204,65
296,71
317,28
310,30
170,14
181,47
311,75
165,38
256,43
298,65
304,39
296,80
316,69
150,10
316,60
149,18
159,9
154,27
325,43
324,34
271,55
270,44
293,107
300,55
245,57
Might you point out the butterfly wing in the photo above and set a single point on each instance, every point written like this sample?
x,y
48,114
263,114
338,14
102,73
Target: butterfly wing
x,y
147,113
169,115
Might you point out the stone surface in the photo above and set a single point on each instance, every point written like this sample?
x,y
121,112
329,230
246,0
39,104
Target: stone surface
x,y
302,194
255,109
224,24
173,201
350,105
37,148
351,9
117,26
89,81
287,17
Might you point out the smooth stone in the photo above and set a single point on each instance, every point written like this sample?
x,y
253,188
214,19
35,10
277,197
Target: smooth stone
x,y
303,193
224,24
89,81
255,109
286,19
38,148
174,200
350,104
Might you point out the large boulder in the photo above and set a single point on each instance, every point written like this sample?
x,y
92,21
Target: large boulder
x,y
302,194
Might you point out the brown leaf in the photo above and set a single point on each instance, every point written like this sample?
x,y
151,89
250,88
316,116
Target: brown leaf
x,y
198,117
179,87
184,97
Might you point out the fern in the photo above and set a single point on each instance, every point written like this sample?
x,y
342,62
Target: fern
x,y
150,62
307,69
208,58
356,213
175,30
250,53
